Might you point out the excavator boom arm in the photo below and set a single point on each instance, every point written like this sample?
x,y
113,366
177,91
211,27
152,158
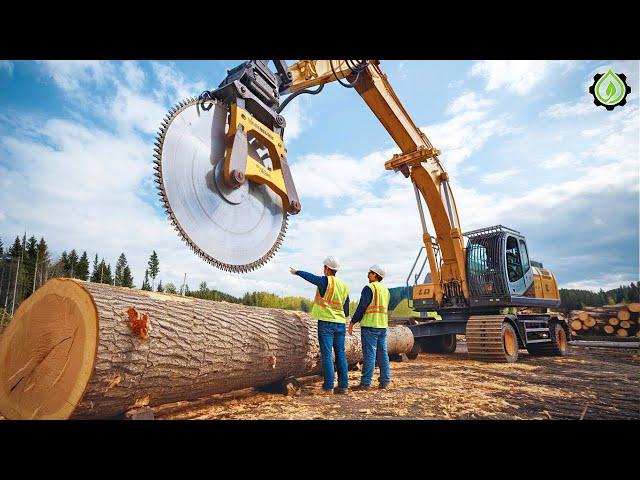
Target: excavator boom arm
x,y
418,160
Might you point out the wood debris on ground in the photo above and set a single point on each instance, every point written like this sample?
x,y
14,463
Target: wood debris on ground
x,y
590,383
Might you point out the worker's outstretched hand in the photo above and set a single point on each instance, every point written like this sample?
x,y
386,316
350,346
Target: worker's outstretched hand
x,y
293,270
350,328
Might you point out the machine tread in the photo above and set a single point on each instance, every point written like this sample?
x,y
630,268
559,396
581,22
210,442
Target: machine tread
x,y
484,338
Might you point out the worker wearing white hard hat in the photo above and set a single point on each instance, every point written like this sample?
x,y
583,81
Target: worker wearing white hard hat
x,y
331,309
373,317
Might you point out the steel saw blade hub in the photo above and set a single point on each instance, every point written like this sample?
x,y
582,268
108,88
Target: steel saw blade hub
x,y
236,230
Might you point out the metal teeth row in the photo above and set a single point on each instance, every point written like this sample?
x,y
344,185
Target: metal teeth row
x,y
174,221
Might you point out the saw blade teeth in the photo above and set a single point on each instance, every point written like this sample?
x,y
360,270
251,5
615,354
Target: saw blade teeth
x,y
173,221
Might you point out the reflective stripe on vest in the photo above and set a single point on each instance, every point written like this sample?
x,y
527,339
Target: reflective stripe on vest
x,y
375,315
330,307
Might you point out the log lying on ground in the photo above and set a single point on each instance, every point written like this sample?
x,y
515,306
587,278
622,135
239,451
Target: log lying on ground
x,y
84,350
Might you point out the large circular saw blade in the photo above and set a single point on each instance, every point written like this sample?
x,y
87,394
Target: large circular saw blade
x,y
236,230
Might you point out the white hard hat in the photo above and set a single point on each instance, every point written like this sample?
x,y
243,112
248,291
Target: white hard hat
x,y
377,269
332,263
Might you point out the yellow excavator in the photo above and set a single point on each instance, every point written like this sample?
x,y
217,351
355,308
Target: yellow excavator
x,y
224,180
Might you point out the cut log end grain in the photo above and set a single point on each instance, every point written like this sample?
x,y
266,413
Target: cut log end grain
x,y
625,324
590,322
583,316
48,352
576,324
634,307
621,332
614,321
609,329
624,315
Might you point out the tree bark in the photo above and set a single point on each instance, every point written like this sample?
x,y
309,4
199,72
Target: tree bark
x,y
85,350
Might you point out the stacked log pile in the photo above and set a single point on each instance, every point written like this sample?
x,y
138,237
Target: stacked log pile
x,y
619,320
85,350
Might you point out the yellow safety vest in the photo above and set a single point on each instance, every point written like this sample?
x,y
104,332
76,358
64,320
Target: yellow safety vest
x,y
375,315
330,308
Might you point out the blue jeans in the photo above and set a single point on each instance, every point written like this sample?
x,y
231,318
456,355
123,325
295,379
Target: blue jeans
x,y
331,336
374,347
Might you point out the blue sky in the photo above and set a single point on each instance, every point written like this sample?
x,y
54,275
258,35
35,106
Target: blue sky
x,y
522,141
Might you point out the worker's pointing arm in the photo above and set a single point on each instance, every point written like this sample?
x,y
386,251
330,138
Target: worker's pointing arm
x,y
320,282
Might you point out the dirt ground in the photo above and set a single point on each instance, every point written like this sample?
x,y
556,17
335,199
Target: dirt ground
x,y
590,383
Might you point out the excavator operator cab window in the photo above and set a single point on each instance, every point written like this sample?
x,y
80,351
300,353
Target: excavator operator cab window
x,y
514,262
525,256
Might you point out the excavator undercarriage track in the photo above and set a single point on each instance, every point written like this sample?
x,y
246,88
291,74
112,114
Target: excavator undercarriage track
x,y
486,341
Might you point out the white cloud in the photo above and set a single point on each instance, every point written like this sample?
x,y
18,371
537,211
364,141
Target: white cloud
x,y
468,101
517,76
134,110
173,85
74,75
459,137
296,120
560,160
498,177
604,282
133,74
6,65
584,106
336,176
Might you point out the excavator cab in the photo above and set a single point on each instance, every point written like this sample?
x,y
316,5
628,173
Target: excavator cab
x,y
500,273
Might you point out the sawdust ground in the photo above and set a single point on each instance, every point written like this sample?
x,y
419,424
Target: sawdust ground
x,y
590,383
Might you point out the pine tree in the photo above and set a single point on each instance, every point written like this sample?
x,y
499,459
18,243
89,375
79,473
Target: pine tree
x,y
44,262
160,288
95,274
145,282
127,278
73,264
82,270
122,262
154,267
203,287
16,249
64,262
107,277
171,288
30,258
1,248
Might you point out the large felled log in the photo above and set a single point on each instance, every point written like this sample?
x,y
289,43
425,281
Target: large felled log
x,y
84,350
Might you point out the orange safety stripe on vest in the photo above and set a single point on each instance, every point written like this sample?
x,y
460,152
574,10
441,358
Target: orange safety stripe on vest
x,y
374,307
326,300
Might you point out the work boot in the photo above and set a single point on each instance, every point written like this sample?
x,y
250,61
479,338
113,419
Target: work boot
x,y
384,386
340,391
362,387
326,391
